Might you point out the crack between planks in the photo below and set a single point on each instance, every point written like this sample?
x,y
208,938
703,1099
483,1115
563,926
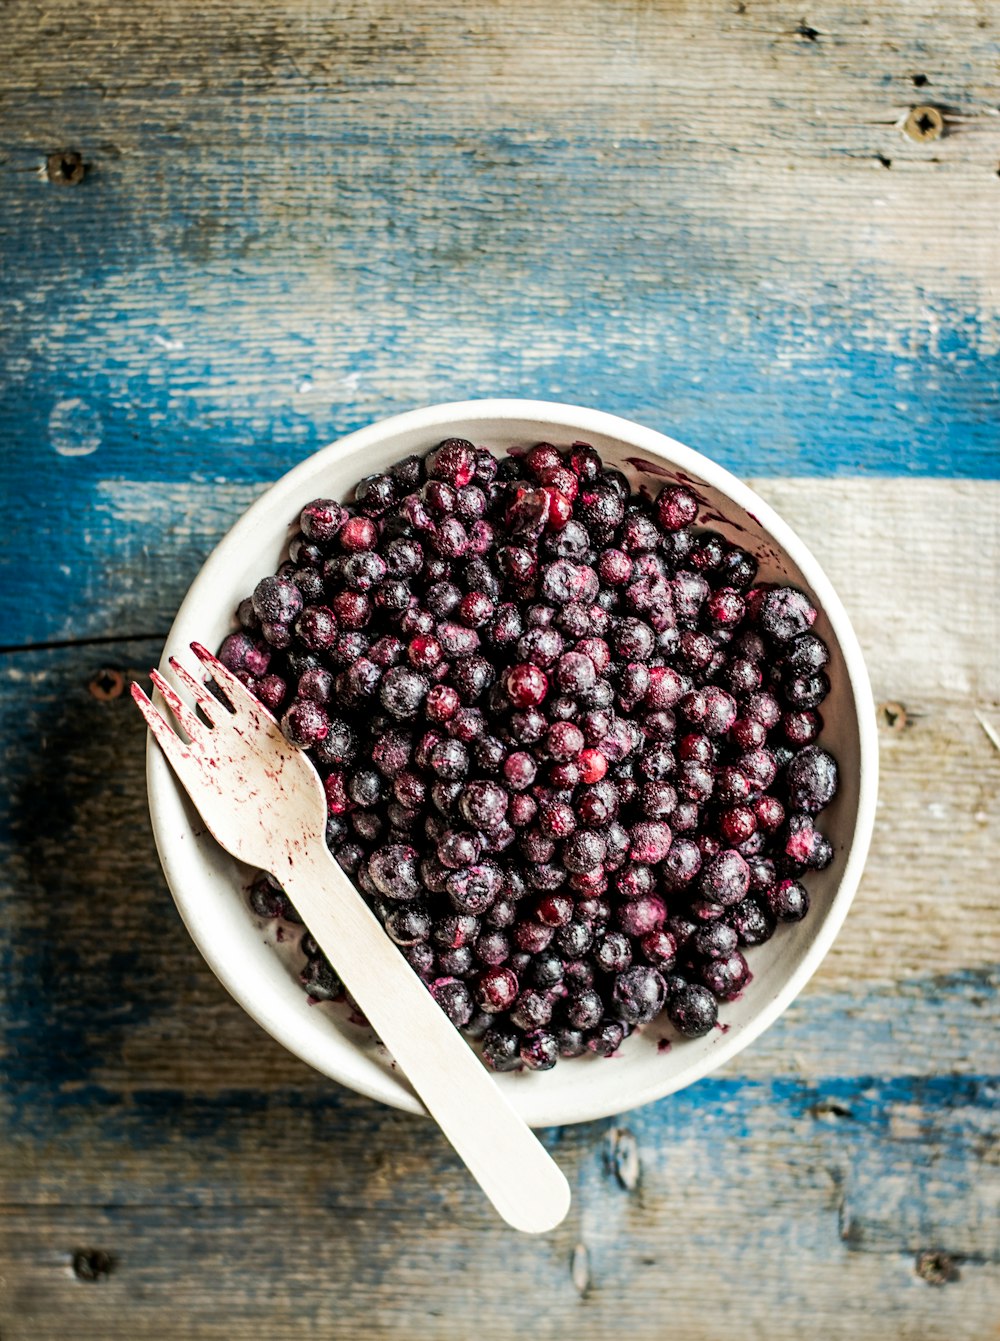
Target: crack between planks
x,y
97,640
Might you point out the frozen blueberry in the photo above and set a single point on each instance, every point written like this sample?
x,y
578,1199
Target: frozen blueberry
x,y
692,1010
638,994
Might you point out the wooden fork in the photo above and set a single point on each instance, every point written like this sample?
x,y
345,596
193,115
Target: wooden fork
x,y
263,801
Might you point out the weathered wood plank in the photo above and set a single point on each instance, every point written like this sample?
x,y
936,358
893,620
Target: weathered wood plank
x,y
297,222
293,221
704,1240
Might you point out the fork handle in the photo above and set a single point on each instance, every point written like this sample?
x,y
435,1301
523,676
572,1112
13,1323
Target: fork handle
x,y
499,1149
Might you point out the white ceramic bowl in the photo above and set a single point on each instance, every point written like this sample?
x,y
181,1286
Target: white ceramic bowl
x,y
210,888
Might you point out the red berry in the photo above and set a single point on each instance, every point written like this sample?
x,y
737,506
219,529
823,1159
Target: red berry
x,y
541,459
442,703
562,479
526,685
357,533
560,510
676,507
593,765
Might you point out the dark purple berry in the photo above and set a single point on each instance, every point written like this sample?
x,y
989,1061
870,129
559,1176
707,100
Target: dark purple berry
x,y
811,779
638,994
788,901
454,998
692,1010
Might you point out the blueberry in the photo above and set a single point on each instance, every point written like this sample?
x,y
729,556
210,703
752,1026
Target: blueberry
x,y
454,998
788,900
725,879
409,924
402,691
321,519
676,507
607,1038
692,1010
267,898
319,979
497,989
539,1050
613,953
638,994
394,871
811,778
584,851
276,600
726,976
305,723
751,923
784,614
714,941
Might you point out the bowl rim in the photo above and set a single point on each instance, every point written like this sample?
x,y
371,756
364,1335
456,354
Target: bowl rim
x,y
439,418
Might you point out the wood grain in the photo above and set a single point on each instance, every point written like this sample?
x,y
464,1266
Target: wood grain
x,y
231,233
209,1275
297,221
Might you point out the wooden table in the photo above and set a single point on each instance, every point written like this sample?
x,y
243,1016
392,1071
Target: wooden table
x,y
230,233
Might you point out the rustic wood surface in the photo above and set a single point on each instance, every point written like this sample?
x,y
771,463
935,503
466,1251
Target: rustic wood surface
x,y
230,233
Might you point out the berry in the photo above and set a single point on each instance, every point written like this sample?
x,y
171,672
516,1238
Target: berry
x,y
561,708
454,998
811,778
692,1010
784,614
726,976
788,901
676,507
539,1050
497,989
305,723
526,685
638,994
321,519
725,879
454,462
402,691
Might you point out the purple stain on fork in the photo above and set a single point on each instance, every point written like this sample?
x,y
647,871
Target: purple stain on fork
x,y
263,801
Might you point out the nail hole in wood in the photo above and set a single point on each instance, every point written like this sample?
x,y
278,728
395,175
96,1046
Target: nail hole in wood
x,y
937,1268
827,1108
924,124
886,162
892,716
107,684
810,34
66,167
920,80
92,1264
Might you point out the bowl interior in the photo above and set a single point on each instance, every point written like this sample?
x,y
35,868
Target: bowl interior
x,y
260,970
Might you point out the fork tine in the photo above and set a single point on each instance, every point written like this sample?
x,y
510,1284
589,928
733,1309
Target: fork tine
x,y
187,719
206,700
167,738
234,689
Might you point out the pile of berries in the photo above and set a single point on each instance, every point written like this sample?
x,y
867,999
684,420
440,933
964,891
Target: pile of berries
x,y
568,743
